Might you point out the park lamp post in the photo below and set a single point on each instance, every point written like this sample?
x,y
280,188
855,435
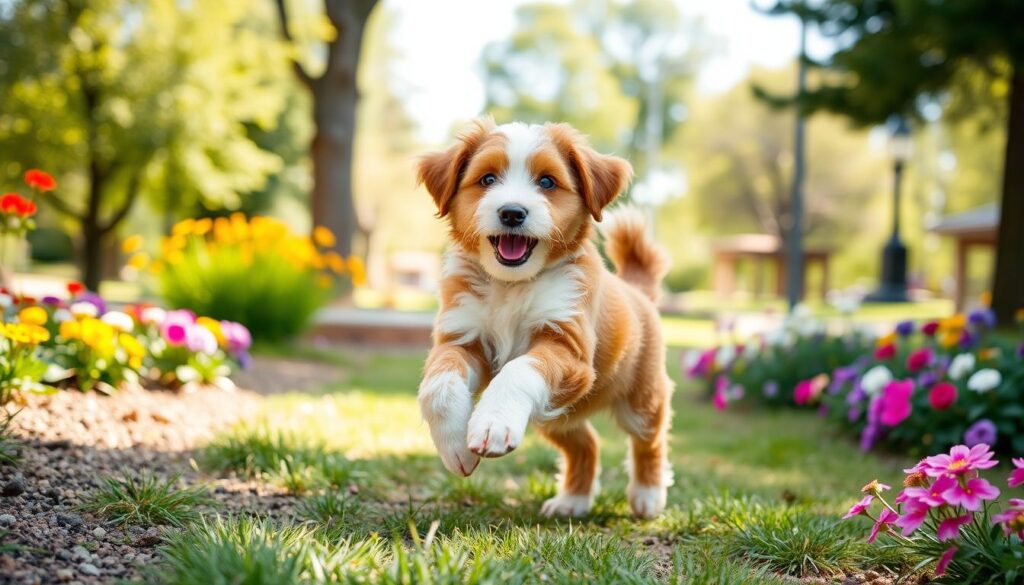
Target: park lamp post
x,y
893,287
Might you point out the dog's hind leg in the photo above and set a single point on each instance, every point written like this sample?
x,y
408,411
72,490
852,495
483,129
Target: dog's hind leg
x,y
647,425
579,447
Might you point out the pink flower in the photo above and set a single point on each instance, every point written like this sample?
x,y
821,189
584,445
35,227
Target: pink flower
x,y
808,391
940,568
960,460
200,340
720,400
971,494
1017,475
1012,518
885,352
930,328
914,514
942,395
860,507
950,529
919,359
931,495
236,335
884,519
896,402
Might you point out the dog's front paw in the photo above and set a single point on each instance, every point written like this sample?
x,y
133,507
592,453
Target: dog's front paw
x,y
493,436
567,505
646,501
446,405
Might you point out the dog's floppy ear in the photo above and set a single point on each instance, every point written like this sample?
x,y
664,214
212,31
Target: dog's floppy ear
x,y
441,171
599,177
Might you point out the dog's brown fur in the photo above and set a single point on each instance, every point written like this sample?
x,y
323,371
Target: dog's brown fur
x,y
609,353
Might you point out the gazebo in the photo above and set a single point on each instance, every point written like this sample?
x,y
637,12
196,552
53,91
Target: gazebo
x,y
761,249
974,228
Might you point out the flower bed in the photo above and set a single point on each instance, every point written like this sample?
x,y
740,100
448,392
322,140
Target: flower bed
x,y
946,515
922,387
77,342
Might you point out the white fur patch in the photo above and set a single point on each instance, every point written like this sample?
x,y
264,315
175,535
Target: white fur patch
x,y
503,316
646,501
567,505
446,402
517,394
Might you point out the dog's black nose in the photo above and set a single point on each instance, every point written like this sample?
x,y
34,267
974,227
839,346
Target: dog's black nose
x,y
512,215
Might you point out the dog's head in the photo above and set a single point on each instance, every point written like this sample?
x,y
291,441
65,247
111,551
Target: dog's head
x,y
520,196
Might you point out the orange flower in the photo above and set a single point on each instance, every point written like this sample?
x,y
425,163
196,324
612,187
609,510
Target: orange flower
x,y
41,180
16,204
323,237
75,287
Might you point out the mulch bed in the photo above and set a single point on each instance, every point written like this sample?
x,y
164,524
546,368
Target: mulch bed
x,y
70,440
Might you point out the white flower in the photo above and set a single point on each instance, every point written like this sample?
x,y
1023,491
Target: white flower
x,y
84,309
847,304
961,365
153,315
118,320
875,379
6,300
62,315
984,380
725,355
690,358
751,349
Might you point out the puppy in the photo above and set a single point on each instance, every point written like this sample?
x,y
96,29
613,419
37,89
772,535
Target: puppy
x,y
532,324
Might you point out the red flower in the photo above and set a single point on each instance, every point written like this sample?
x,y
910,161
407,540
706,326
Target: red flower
x,y
75,287
942,395
885,352
41,180
919,359
930,328
10,202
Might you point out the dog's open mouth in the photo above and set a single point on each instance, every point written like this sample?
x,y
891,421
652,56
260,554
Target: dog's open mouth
x,y
512,249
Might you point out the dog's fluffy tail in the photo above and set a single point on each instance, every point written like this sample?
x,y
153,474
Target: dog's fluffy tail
x,y
638,259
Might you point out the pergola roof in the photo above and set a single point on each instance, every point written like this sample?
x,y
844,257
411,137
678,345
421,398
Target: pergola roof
x,y
756,244
980,220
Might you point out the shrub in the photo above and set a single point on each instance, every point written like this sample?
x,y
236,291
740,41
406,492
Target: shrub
x,y
945,515
922,386
256,272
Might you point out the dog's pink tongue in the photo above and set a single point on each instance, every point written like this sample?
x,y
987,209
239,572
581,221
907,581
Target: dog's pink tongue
x,y
512,247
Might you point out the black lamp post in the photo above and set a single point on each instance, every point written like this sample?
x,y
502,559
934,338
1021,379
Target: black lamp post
x,y
893,288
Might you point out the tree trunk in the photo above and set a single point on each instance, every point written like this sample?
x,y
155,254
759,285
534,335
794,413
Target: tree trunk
x,y
92,234
332,150
1008,282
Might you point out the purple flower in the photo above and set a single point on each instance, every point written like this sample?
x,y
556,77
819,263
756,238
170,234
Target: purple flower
x,y
927,379
853,414
966,340
93,299
983,431
857,395
770,389
905,328
982,318
237,335
840,377
51,300
1020,351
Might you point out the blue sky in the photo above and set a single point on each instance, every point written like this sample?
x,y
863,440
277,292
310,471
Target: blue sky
x,y
440,42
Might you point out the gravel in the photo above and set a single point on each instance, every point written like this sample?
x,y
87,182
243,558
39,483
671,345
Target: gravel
x,y
71,440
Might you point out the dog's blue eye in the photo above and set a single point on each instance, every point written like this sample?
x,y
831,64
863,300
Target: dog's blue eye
x,y
488,180
546,182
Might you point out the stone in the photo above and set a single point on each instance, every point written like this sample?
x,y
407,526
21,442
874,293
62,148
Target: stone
x,y
70,519
65,574
15,487
89,569
99,532
7,519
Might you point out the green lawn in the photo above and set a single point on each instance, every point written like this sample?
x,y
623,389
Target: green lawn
x,y
757,499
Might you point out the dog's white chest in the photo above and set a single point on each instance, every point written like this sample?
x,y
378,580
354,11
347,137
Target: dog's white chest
x,y
503,316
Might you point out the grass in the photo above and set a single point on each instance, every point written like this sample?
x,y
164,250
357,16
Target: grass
x,y
9,453
146,500
757,499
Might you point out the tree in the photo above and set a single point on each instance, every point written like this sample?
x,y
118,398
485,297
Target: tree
x,y
124,99
600,66
897,54
335,95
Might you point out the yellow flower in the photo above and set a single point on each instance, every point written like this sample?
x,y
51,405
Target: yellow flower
x,y
985,299
1019,316
335,262
324,237
139,261
183,227
214,327
131,244
98,335
33,316
949,339
24,333
324,281
958,321
70,329
886,339
202,226
358,271
133,348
